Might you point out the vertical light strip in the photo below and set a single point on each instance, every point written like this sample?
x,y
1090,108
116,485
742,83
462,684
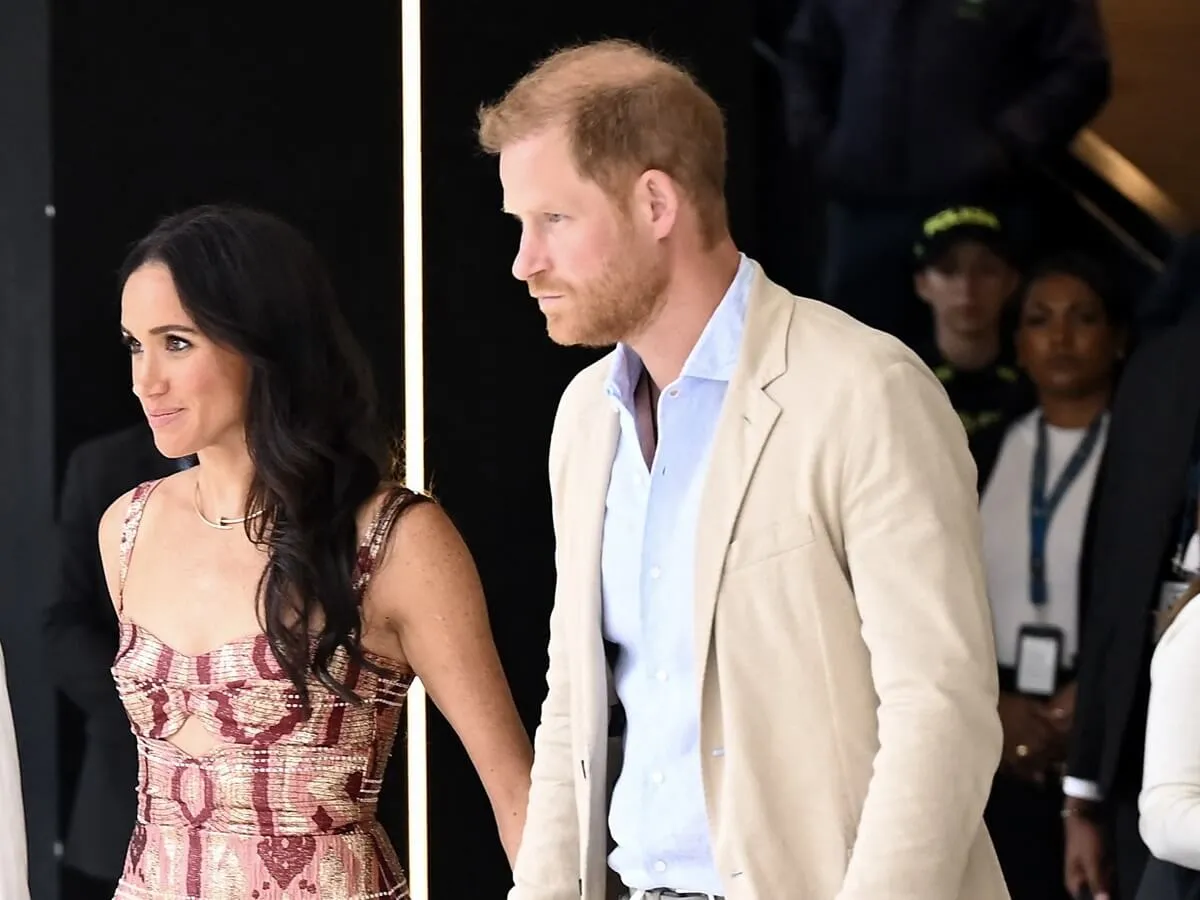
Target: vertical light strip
x,y
414,408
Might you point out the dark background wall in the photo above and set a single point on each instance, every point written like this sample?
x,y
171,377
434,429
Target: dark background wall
x,y
161,106
26,409
296,109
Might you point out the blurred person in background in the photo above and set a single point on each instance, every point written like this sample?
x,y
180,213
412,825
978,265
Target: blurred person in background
x,y
967,273
80,630
1038,475
901,107
1142,553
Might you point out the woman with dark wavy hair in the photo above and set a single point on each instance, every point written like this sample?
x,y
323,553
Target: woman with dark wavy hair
x,y
277,600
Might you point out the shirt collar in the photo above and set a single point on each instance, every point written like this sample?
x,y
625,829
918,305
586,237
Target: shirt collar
x,y
715,355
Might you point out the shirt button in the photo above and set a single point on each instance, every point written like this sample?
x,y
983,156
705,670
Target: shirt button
x,y
661,675
657,777
673,392
718,751
655,573
660,866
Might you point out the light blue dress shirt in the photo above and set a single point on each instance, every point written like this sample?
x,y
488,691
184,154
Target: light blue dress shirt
x,y
658,818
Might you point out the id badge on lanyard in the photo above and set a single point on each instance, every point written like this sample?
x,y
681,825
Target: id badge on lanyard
x,y
1039,660
1040,646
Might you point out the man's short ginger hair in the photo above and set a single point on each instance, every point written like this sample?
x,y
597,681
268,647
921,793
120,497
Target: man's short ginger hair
x,y
625,110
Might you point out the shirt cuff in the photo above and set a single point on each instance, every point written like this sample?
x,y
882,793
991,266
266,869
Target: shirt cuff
x,y
1081,789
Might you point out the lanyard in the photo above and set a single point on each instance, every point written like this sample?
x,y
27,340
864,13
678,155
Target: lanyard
x,y
1042,507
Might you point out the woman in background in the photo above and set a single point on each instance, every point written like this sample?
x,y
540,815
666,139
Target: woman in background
x,y
277,600
1037,476
14,884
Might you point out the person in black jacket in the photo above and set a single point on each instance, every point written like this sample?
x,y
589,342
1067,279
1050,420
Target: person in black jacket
x,y
1143,546
81,636
904,104
967,273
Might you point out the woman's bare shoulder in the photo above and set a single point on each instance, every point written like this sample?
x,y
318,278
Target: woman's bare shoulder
x,y
113,521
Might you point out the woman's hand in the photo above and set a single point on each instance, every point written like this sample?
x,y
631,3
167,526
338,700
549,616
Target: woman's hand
x,y
1030,738
1059,713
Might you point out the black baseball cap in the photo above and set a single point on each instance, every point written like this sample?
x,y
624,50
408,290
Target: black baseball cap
x,y
948,226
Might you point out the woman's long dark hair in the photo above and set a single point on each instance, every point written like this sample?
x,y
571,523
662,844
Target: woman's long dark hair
x,y
254,284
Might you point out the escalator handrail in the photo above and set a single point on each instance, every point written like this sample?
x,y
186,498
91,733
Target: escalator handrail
x,y
1118,197
1128,180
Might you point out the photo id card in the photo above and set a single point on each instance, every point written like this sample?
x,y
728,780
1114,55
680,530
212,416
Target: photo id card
x,y
1039,658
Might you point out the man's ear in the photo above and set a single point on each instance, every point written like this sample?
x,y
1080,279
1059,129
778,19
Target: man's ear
x,y
921,285
657,199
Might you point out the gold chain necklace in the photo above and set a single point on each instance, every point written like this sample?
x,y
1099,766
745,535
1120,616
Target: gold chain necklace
x,y
222,523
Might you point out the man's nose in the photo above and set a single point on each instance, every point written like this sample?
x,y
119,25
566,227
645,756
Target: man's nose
x,y
529,260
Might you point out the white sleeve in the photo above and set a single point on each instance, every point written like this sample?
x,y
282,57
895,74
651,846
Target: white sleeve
x,y
1170,799
1082,789
14,883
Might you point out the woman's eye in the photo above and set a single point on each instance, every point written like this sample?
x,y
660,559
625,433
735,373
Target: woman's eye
x,y
176,344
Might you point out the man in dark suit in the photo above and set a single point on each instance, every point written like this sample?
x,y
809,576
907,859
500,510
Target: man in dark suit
x,y
901,106
1144,518
81,635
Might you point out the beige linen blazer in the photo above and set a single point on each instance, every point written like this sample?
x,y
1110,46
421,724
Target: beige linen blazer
x,y
845,668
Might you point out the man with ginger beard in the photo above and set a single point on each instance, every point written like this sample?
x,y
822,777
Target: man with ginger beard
x,y
767,540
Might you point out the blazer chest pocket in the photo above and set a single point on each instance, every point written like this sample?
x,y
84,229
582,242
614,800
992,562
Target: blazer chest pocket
x,y
757,544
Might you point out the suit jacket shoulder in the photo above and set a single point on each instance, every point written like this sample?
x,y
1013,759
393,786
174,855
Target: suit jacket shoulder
x,y
829,348
103,468
130,447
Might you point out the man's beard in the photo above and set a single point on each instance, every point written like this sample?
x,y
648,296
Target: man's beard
x,y
618,305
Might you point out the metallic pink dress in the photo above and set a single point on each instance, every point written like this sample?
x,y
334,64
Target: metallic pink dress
x,y
285,807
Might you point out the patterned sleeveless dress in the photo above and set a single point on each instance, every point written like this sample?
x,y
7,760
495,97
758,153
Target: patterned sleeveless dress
x,y
285,807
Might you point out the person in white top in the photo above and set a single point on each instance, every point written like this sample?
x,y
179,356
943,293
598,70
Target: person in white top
x,y
1169,804
14,883
1038,479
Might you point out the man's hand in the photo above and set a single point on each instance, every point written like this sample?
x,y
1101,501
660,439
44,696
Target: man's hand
x,y
1086,863
1029,736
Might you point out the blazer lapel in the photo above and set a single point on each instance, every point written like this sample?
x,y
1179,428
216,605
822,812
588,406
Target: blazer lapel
x,y
585,532
747,417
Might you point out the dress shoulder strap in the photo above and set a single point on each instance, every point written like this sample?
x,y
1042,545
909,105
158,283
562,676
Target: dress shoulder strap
x,y
129,531
370,551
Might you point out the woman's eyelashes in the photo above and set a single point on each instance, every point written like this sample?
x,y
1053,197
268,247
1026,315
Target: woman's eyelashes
x,y
173,343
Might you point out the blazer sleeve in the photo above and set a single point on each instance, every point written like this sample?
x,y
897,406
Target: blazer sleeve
x,y
912,541
14,884
1075,81
547,865
80,625
1086,749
